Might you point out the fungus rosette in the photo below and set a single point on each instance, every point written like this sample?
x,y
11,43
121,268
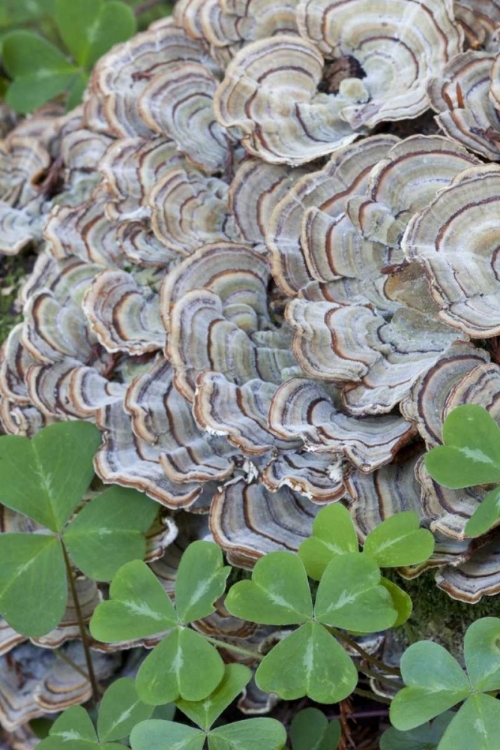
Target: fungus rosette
x,y
263,303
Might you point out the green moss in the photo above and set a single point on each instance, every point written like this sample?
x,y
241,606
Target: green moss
x,y
438,617
13,271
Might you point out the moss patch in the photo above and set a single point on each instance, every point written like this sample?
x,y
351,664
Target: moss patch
x,y
438,617
13,271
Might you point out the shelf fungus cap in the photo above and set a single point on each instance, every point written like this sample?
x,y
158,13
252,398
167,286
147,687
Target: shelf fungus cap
x,y
270,93
373,360
248,521
460,96
405,182
387,48
228,24
307,409
480,20
455,239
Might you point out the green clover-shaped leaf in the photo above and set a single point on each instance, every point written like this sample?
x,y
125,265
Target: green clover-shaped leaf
x,y
183,665
201,579
401,602
310,730
252,734
278,593
399,541
33,589
333,534
46,477
425,737
482,654
351,596
109,531
40,71
156,734
435,682
205,712
120,710
476,725
74,726
89,28
308,662
138,607
486,514
471,451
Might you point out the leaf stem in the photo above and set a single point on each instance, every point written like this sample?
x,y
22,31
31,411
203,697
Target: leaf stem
x,y
383,678
372,696
64,657
236,649
361,651
81,625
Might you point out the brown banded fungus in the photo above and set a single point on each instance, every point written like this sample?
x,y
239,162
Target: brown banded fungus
x,y
263,303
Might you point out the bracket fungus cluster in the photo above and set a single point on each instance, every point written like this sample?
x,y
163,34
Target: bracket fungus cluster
x,y
267,269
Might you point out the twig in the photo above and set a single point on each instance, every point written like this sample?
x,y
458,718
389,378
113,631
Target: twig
x,y
375,714
236,649
372,696
74,665
361,651
81,625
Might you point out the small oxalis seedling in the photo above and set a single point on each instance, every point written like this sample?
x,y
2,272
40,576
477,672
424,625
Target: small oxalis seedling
x,y
45,479
40,71
470,456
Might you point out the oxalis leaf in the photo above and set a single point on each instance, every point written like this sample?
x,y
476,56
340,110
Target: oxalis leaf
x,y
39,72
435,681
90,28
74,729
471,451
120,710
310,730
33,588
183,665
138,607
252,734
486,514
46,477
399,541
476,725
205,712
201,579
482,654
351,596
426,737
156,734
109,532
333,535
395,542
308,662
278,593
401,602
